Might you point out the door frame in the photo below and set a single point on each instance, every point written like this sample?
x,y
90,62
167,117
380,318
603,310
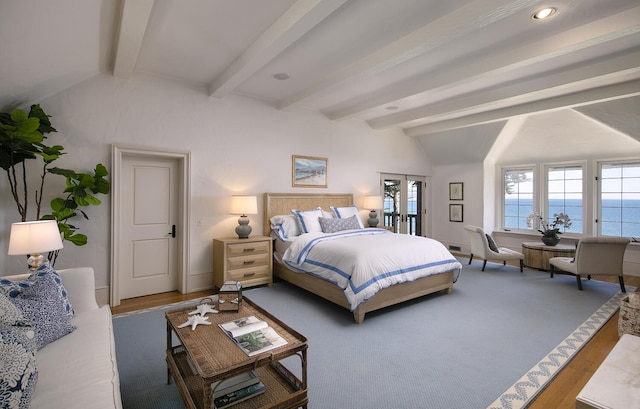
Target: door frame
x,y
118,153
425,195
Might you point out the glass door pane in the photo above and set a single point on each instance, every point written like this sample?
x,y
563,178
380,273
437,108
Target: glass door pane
x,y
404,203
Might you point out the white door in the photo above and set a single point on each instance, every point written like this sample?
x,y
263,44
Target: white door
x,y
148,262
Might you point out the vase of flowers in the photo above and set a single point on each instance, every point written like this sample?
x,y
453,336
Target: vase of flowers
x,y
550,230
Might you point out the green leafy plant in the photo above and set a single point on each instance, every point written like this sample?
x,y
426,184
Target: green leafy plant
x,y
22,138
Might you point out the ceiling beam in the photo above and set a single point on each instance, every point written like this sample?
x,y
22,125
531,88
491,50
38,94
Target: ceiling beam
x,y
473,16
298,20
593,34
133,24
587,97
617,69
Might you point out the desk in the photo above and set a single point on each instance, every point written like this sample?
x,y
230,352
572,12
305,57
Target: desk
x,y
537,254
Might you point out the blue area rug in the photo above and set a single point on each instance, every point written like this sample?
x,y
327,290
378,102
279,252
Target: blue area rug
x,y
495,341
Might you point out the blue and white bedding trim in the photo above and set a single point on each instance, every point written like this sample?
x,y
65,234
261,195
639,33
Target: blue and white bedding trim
x,y
361,262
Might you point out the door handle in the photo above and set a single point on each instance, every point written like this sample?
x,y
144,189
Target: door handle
x,y
173,232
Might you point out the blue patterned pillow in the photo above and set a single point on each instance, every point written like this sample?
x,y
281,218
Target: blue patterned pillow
x,y
332,225
38,298
18,372
12,288
347,211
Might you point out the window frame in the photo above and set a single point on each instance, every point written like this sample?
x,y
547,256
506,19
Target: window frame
x,y
598,192
585,193
503,170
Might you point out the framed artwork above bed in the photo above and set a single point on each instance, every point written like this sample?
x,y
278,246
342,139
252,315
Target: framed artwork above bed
x,y
308,171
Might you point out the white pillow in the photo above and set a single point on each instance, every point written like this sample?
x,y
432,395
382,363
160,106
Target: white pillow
x,y
346,212
308,219
285,226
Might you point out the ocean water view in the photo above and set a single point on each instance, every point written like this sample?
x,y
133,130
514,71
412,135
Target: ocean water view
x,y
619,217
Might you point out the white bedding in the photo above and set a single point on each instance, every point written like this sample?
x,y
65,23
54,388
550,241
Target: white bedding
x,y
364,261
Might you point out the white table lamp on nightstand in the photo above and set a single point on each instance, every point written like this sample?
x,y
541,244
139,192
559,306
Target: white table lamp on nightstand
x,y
243,205
373,203
33,238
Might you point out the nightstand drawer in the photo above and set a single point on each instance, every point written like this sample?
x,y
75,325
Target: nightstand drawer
x,y
249,273
253,260
243,249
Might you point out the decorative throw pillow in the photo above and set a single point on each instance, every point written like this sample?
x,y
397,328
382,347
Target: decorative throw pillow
x,y
285,226
308,219
18,372
492,243
15,287
332,225
10,314
347,211
38,298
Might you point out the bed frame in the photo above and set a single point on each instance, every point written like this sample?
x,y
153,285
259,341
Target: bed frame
x,y
282,203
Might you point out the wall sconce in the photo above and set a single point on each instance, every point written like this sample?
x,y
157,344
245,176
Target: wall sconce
x,y
373,203
33,238
243,205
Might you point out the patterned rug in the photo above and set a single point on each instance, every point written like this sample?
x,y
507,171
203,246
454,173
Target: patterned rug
x,y
463,350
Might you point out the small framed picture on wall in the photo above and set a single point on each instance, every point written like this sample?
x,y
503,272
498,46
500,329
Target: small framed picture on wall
x,y
455,213
456,191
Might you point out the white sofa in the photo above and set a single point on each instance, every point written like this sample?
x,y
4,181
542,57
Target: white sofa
x,y
79,370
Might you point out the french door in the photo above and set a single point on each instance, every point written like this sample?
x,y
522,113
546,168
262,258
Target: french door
x,y
404,208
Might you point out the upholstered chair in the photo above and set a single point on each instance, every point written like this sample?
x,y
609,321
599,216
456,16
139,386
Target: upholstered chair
x,y
594,256
481,246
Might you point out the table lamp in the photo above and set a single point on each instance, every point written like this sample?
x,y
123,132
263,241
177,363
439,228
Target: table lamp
x,y
373,203
33,238
243,205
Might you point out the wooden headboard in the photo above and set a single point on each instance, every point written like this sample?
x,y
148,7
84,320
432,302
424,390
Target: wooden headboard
x,y
282,203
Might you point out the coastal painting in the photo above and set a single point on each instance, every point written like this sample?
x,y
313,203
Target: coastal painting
x,y
309,171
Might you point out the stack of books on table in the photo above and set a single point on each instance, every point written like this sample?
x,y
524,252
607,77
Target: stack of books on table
x,y
235,390
254,336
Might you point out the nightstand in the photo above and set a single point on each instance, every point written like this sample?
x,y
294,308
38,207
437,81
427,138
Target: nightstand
x,y
246,260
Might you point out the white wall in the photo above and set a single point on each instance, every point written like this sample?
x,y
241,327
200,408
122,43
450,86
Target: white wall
x,y
238,145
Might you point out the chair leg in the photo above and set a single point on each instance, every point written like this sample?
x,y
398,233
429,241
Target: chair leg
x,y
504,262
471,258
621,279
521,265
579,282
551,271
484,265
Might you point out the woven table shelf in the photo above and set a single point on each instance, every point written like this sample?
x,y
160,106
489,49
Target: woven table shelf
x,y
629,319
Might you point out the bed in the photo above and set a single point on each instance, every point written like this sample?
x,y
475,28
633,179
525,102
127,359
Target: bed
x,y
276,204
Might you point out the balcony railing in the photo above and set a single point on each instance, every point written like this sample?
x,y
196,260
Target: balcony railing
x,y
391,219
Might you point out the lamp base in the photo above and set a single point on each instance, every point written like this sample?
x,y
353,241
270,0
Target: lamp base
x,y
373,219
35,261
243,230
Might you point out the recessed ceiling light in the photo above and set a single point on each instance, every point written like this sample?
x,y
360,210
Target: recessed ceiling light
x,y
281,76
391,108
544,13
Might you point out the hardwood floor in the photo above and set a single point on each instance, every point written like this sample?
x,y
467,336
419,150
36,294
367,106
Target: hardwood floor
x,y
560,393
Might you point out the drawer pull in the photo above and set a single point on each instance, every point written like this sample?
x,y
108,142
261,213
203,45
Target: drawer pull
x,y
249,274
248,250
249,262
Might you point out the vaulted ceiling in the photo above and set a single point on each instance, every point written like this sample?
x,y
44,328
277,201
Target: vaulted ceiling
x,y
424,66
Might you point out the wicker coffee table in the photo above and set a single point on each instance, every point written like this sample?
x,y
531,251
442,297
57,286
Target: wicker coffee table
x,y
207,355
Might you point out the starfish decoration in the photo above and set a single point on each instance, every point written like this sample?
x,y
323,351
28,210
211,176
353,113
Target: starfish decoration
x,y
203,309
194,321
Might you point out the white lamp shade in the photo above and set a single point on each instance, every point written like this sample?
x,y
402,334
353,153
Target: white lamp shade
x,y
244,205
372,202
34,237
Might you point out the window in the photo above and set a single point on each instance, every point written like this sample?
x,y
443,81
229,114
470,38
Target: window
x,y
619,213
564,194
518,197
